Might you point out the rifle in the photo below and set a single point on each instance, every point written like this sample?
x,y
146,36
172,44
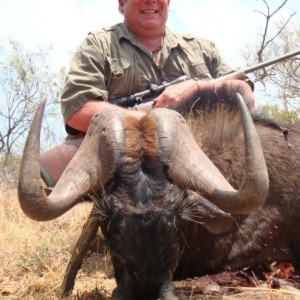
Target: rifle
x,y
136,99
153,90
241,74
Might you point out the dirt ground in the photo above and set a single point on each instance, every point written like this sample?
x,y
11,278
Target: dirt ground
x,y
282,282
34,256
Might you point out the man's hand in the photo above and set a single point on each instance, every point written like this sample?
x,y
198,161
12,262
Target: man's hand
x,y
175,93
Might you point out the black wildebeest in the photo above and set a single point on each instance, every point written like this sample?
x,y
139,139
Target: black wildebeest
x,y
170,207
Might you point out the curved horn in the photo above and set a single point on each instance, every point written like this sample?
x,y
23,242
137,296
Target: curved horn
x,y
90,169
190,168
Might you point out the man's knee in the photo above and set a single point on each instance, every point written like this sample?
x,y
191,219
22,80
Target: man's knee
x,y
54,161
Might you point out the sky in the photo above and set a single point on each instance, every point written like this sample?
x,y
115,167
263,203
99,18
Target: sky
x,y
231,24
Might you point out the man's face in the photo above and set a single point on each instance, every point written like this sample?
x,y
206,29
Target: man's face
x,y
145,17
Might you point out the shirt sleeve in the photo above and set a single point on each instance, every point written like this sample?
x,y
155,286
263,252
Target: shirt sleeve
x,y
85,79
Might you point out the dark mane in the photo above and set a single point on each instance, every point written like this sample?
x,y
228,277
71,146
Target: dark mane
x,y
213,97
216,109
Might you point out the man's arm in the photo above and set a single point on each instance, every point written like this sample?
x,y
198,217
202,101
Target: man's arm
x,y
81,118
174,94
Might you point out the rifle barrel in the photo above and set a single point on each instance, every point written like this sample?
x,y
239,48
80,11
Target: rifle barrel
x,y
271,62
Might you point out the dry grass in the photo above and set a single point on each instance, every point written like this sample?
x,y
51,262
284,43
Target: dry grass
x,y
261,293
33,258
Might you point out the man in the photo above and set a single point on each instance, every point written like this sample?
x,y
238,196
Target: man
x,y
127,57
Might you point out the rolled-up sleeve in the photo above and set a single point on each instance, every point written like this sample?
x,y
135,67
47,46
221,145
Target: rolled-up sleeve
x,y
85,79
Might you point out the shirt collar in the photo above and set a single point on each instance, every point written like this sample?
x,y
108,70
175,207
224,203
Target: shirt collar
x,y
171,39
174,40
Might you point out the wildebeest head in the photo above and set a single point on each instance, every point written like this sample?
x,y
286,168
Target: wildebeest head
x,y
139,213
143,239
145,173
144,250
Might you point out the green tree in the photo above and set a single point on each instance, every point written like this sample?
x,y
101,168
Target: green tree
x,y
25,80
289,117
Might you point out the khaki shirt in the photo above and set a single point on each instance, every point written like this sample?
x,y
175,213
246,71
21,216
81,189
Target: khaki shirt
x,y
111,63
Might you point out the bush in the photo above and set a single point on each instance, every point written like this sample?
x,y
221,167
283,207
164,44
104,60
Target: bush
x,y
9,170
287,116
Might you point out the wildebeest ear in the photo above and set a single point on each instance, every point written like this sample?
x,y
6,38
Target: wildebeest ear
x,y
197,209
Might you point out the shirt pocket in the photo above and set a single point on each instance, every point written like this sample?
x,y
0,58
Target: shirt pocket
x,y
120,77
118,67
